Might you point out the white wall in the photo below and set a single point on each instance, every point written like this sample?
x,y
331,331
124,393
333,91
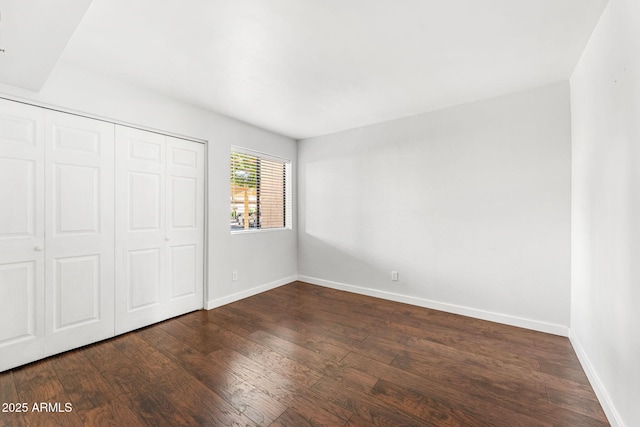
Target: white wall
x,y
471,205
605,316
261,259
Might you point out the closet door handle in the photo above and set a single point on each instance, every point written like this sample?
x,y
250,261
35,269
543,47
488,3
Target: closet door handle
x,y
167,239
38,248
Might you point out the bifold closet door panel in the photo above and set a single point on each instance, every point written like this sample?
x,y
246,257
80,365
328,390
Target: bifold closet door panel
x,y
140,224
159,227
79,170
185,226
21,234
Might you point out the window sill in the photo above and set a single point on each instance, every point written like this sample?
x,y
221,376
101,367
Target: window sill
x,y
266,230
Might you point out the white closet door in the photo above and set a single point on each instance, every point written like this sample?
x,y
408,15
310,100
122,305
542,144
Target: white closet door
x,y
21,234
185,226
159,227
79,171
140,222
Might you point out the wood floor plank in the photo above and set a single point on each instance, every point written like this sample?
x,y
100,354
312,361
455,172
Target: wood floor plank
x,y
439,412
125,375
37,382
366,406
582,403
52,419
156,407
490,412
246,398
324,366
271,321
8,391
157,365
455,337
290,418
309,340
250,370
502,386
196,338
319,330
270,360
304,355
340,340
90,393
423,339
443,356
114,414
475,380
353,328
13,417
199,403
365,307
303,400
38,385
260,407
84,384
575,374
239,325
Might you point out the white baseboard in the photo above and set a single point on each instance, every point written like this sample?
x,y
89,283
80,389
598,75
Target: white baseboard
x,y
248,293
607,406
535,325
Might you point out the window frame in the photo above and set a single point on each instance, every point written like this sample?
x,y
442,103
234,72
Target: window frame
x,y
288,207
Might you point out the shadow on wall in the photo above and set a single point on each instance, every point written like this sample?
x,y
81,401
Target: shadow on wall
x,y
350,208
359,225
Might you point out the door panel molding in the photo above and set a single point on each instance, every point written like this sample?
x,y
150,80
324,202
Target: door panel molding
x,y
22,286
79,167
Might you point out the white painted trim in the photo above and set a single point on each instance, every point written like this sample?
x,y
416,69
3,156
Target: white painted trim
x,y
598,387
248,293
535,325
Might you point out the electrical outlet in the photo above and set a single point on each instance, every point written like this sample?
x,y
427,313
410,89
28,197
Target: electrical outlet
x,y
234,275
394,276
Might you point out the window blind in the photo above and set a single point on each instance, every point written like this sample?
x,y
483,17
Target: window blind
x,y
259,191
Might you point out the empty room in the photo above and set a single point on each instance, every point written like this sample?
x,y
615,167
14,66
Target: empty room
x,y
319,213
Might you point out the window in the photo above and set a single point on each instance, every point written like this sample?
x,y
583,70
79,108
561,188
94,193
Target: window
x,y
260,191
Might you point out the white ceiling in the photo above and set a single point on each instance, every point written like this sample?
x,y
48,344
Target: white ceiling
x,y
305,68
33,34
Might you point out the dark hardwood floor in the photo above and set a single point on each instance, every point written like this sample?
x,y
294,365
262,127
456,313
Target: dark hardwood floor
x,y
302,355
